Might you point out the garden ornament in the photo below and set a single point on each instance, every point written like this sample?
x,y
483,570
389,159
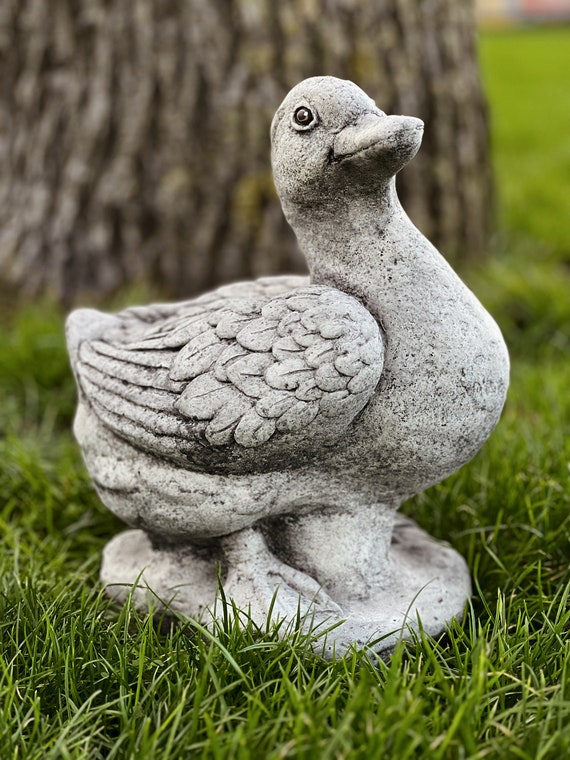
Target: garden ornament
x,y
263,435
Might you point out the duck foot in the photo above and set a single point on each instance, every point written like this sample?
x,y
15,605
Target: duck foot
x,y
265,587
184,578
426,585
180,578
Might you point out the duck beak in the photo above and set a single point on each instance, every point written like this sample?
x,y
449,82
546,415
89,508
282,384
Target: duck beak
x,y
375,135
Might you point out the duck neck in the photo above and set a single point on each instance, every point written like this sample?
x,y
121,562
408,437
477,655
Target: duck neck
x,y
353,248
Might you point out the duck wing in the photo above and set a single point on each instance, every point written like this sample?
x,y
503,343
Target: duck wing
x,y
237,380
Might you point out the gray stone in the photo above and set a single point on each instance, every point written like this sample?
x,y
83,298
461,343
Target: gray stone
x,y
268,431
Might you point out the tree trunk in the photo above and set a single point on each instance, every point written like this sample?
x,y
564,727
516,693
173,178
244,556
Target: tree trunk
x,y
134,134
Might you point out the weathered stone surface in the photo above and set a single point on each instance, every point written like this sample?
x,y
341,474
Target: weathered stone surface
x,y
271,429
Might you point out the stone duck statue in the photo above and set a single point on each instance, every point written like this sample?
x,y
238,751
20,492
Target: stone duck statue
x,y
265,434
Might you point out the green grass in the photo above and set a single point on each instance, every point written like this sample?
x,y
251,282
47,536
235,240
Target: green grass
x,y
526,78
81,679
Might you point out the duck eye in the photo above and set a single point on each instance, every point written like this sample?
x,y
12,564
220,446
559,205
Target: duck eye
x,y
303,117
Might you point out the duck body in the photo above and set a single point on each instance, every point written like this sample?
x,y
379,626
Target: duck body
x,y
445,371
275,427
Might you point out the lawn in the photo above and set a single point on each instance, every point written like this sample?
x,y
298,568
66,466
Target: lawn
x,y
526,77
79,679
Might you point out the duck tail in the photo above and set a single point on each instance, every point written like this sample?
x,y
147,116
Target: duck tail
x,y
85,325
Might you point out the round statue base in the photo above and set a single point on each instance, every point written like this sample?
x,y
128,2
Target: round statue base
x,y
427,585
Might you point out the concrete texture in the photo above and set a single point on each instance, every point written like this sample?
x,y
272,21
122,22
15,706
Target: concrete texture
x,y
272,429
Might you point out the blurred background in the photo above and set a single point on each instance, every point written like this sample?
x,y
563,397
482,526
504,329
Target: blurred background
x,y
522,11
136,133
134,166
134,147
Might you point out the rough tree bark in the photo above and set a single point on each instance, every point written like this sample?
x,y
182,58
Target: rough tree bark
x,y
134,133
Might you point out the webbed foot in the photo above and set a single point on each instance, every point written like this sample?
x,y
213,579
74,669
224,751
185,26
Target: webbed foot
x,y
180,578
258,582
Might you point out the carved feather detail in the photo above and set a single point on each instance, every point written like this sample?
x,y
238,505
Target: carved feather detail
x,y
237,370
